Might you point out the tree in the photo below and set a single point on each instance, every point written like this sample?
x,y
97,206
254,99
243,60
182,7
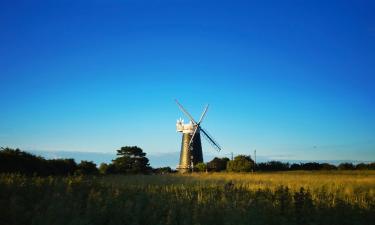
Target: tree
x,y
295,166
327,166
61,166
131,159
217,164
346,166
163,170
240,163
200,167
103,168
17,161
272,166
87,168
311,166
361,166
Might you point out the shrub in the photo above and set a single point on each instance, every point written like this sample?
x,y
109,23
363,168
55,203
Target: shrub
x,y
240,163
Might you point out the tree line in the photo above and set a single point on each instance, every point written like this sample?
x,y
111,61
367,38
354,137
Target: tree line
x,y
17,161
244,163
132,160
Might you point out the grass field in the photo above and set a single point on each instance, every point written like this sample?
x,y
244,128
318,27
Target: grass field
x,y
339,197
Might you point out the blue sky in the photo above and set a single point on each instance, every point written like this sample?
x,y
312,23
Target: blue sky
x,y
292,79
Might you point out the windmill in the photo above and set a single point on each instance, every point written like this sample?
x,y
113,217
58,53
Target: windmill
x,y
191,146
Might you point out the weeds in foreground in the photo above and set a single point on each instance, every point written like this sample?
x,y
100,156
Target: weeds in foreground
x,y
192,199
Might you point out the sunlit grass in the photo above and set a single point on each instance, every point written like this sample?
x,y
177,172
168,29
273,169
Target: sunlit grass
x,y
353,187
340,197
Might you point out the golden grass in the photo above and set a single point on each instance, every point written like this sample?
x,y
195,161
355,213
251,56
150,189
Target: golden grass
x,y
293,198
351,186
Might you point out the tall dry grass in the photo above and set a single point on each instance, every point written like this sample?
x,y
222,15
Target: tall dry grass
x,y
202,199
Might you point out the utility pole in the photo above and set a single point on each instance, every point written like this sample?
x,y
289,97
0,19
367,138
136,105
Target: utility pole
x,y
255,158
231,155
192,163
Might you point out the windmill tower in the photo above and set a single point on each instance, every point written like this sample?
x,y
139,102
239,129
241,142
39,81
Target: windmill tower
x,y
191,146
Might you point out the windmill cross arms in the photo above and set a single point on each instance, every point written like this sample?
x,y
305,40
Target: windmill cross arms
x,y
211,140
198,125
185,112
194,132
203,114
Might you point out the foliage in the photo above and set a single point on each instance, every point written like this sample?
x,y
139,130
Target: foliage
x,y
217,164
17,161
282,166
306,166
364,166
327,166
240,163
131,160
272,166
292,198
87,168
313,166
103,168
200,167
163,170
61,166
346,166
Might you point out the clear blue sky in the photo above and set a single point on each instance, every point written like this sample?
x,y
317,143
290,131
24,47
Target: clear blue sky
x,y
292,79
